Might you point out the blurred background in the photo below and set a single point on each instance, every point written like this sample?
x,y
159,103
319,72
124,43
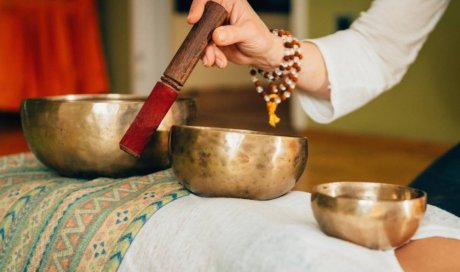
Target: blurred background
x,y
423,106
50,47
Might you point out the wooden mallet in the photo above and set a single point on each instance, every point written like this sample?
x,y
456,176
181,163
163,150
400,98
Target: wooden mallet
x,y
166,90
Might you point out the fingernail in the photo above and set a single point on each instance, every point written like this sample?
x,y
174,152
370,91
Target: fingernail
x,y
219,63
205,61
222,36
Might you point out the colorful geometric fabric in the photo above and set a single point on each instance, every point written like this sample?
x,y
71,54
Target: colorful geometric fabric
x,y
53,223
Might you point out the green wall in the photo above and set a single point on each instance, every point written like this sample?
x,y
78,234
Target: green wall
x,y
425,105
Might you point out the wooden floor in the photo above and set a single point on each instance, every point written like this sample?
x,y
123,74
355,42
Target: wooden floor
x,y
333,156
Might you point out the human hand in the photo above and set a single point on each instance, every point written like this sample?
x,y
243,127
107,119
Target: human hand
x,y
245,40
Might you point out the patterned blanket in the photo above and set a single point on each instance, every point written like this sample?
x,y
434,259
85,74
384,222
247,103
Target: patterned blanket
x,y
52,223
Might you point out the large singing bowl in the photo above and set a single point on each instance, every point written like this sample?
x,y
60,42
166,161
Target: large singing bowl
x,y
374,215
219,162
78,135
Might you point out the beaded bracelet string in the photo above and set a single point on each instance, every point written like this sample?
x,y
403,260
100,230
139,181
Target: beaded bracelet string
x,y
282,81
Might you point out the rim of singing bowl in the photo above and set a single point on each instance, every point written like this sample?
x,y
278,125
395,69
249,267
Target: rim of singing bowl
x,y
331,188
239,131
89,98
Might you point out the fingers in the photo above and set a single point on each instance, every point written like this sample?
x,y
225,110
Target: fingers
x,y
196,10
209,56
221,59
213,56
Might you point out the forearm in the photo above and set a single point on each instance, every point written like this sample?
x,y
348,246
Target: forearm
x,y
313,79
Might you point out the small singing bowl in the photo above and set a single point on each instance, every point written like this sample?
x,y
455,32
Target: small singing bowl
x,y
220,162
374,215
78,135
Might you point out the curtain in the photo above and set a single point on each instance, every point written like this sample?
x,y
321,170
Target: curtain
x,y
49,47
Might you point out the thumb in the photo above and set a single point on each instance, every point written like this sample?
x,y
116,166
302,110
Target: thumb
x,y
228,34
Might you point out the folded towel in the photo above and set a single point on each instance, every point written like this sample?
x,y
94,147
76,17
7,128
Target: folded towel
x,y
223,234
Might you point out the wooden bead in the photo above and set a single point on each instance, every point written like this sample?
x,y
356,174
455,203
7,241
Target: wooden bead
x,y
296,66
281,81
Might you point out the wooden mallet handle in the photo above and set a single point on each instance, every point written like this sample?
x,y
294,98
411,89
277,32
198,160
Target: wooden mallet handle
x,y
179,69
192,48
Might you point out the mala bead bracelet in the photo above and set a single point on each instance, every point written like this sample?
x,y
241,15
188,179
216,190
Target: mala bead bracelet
x,y
281,81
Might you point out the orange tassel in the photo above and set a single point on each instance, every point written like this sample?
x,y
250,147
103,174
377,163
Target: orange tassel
x,y
273,119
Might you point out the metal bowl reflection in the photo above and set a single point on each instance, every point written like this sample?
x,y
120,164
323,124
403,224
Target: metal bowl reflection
x,y
223,162
374,215
78,135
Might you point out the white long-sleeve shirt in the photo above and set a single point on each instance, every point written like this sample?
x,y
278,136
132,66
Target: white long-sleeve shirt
x,y
373,54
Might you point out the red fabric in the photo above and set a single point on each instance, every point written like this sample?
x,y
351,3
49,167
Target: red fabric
x,y
49,47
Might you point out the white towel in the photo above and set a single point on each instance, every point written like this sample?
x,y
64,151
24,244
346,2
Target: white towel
x,y
227,234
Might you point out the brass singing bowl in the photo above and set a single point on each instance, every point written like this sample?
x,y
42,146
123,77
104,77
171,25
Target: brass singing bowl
x,y
221,162
374,215
78,135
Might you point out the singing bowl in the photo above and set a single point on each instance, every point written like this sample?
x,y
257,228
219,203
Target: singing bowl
x,y
374,215
220,162
78,135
